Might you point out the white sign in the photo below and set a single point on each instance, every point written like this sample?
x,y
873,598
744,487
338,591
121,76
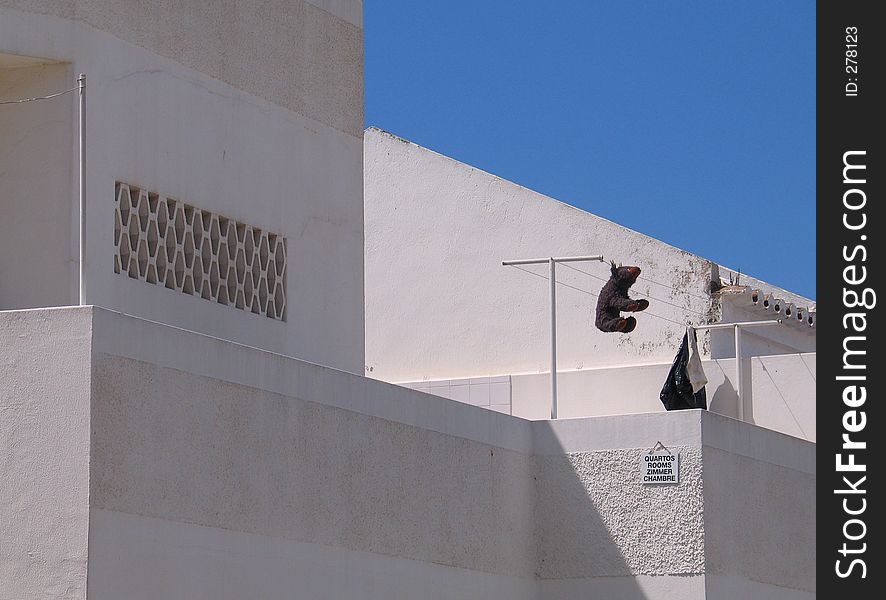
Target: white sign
x,y
660,466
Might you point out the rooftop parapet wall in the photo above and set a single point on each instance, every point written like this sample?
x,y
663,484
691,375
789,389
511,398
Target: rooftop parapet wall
x,y
217,466
779,392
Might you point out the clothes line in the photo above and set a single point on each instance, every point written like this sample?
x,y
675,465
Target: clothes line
x,y
656,298
36,98
646,279
590,293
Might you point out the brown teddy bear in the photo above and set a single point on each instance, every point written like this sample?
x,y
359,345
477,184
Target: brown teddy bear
x,y
614,299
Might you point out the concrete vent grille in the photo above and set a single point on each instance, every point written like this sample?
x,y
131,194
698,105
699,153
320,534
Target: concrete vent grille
x,y
169,243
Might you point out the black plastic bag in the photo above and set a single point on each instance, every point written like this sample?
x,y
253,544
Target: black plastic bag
x,y
676,393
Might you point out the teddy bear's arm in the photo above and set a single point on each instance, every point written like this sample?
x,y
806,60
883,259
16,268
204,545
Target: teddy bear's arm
x,y
623,303
637,305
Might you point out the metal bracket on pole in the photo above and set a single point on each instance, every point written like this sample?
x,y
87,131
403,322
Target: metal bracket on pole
x,y
81,84
552,261
737,327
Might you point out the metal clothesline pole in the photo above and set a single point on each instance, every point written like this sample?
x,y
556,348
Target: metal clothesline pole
x,y
737,327
81,84
552,262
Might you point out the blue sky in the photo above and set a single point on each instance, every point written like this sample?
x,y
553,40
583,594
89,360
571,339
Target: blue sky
x,y
692,122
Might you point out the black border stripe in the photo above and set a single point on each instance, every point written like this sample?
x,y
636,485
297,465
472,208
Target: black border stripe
x,y
848,123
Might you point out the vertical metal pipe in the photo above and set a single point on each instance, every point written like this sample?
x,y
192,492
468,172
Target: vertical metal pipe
x,y
81,82
553,264
738,373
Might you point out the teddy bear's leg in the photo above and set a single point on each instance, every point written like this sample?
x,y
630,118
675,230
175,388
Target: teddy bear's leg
x,y
637,305
622,325
629,325
610,324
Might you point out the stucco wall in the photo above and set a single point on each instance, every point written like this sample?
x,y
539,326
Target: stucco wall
x,y
377,475
44,453
220,470
448,308
656,530
172,447
600,532
759,514
252,113
743,528
259,470
143,558
175,446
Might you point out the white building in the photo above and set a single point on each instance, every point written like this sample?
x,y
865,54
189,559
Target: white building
x,y
202,426
190,102
443,315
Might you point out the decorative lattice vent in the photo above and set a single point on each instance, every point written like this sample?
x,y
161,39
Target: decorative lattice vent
x,y
166,242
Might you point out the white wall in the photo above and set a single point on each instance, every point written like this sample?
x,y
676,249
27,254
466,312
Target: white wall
x,y
265,128
44,453
144,558
779,392
264,475
439,304
36,144
493,393
755,489
447,307
182,448
759,513
219,470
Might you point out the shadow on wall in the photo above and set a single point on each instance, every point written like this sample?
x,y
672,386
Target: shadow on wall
x,y
574,545
724,400
205,454
599,530
36,193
